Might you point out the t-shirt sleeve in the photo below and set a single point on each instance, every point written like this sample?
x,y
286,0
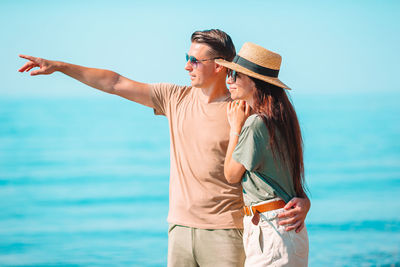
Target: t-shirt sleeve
x,y
251,149
161,96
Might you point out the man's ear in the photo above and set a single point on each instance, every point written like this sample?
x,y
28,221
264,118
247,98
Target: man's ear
x,y
219,68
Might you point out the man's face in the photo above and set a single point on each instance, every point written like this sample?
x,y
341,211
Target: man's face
x,y
202,74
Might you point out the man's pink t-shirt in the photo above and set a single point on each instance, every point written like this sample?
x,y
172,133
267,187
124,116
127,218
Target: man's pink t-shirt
x,y
199,194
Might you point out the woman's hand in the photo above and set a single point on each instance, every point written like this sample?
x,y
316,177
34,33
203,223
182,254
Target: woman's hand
x,y
238,111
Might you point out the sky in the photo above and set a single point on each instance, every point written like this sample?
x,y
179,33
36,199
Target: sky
x,y
328,47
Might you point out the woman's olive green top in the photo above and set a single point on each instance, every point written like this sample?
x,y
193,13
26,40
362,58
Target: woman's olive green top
x,y
254,152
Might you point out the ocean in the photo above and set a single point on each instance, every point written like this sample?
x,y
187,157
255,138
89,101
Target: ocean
x,y
84,181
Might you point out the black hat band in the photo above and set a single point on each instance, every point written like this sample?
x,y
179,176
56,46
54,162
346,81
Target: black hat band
x,y
255,68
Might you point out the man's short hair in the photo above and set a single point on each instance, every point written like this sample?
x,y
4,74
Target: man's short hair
x,y
219,41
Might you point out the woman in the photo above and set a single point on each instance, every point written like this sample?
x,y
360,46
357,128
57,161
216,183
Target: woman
x,y
265,153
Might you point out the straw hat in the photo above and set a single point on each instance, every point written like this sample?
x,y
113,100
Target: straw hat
x,y
258,62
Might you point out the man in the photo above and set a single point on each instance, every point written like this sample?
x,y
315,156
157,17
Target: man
x,y
205,213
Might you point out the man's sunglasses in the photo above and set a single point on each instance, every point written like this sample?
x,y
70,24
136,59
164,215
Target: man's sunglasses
x,y
194,61
232,74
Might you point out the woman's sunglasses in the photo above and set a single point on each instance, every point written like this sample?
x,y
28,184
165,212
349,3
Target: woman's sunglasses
x,y
232,74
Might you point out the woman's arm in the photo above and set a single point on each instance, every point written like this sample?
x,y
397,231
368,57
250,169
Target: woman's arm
x,y
238,112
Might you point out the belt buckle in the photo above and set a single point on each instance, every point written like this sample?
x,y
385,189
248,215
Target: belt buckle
x,y
248,210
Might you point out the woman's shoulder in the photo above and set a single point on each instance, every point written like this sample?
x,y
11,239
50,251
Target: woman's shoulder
x,y
254,121
255,130
255,125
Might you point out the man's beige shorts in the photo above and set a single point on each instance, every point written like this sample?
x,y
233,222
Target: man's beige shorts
x,y
189,246
269,244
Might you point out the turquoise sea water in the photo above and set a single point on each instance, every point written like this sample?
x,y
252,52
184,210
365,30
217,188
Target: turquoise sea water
x,y
84,182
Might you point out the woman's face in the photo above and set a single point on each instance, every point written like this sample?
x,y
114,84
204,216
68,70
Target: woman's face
x,y
241,89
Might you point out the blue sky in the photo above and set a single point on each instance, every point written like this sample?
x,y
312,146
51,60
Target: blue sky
x,y
327,46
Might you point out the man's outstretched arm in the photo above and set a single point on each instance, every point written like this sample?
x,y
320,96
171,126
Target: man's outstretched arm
x,y
104,80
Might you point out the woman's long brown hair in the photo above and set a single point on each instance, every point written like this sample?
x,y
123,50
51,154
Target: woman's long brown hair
x,y
278,114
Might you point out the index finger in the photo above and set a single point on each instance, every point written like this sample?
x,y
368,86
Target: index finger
x,y
27,57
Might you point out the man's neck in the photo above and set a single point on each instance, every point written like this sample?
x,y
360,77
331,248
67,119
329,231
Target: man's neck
x,y
217,92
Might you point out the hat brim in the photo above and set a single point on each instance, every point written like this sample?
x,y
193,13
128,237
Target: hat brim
x,y
239,68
